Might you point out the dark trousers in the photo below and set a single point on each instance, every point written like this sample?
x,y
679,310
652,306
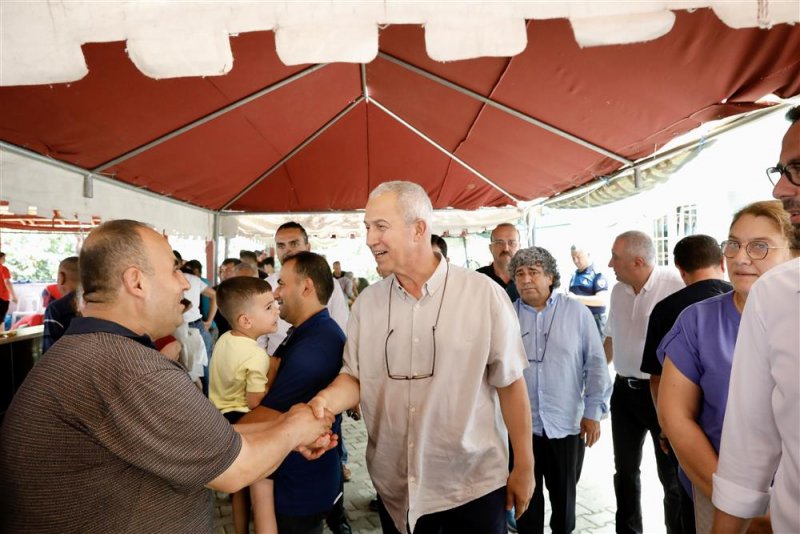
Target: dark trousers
x,y
306,524
484,515
632,417
559,463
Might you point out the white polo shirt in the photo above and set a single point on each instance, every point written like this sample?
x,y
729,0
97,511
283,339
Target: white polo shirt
x,y
629,314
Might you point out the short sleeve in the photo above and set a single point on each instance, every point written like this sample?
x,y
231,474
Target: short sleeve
x,y
507,359
681,345
163,424
350,358
600,283
255,372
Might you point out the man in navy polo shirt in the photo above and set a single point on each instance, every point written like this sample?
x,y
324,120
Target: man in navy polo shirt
x,y
311,357
589,287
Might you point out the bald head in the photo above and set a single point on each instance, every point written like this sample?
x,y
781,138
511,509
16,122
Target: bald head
x,y
110,249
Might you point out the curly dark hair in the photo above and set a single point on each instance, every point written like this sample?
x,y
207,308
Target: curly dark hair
x,y
528,257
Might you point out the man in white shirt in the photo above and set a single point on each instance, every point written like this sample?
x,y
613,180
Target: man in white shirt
x,y
760,448
291,238
434,354
641,286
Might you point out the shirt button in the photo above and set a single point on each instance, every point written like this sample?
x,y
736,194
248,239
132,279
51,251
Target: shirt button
x,y
416,340
413,409
411,480
411,445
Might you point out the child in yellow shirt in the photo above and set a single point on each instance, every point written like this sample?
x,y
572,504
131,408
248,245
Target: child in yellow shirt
x,y
240,371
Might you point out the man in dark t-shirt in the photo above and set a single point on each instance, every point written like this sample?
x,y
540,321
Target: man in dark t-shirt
x,y
503,245
311,357
702,267
106,434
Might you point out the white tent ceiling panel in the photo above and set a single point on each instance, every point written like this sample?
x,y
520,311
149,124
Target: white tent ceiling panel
x,y
26,183
41,39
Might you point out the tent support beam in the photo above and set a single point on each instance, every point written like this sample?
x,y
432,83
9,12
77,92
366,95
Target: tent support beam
x,y
364,90
93,175
210,117
506,109
445,151
291,154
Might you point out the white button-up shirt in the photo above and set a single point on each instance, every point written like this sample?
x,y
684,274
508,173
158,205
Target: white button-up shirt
x,y
434,443
629,314
761,433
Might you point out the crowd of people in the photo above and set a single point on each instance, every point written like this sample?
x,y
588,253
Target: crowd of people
x,y
479,389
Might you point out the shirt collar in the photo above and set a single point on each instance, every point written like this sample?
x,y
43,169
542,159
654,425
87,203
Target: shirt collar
x,y
311,321
435,282
651,280
91,325
530,309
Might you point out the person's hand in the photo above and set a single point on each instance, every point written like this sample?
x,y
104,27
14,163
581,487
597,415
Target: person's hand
x,y
208,324
14,299
519,489
319,406
309,428
320,447
663,442
590,431
172,350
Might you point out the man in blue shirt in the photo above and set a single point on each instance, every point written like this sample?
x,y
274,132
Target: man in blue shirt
x,y
589,287
311,357
568,385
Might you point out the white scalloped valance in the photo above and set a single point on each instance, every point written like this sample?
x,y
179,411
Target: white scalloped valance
x,y
40,40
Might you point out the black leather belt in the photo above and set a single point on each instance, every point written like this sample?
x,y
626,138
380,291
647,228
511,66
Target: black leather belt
x,y
634,383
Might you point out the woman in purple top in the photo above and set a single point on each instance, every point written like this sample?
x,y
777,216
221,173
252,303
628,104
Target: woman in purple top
x,y
697,353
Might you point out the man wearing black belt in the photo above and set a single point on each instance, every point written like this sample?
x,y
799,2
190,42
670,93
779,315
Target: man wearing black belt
x,y
641,285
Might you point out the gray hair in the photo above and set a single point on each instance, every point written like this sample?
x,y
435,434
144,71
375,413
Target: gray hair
x,y
528,257
412,200
639,244
245,269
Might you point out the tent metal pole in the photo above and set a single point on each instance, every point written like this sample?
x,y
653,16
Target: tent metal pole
x,y
85,172
297,149
364,90
509,110
210,117
216,240
444,150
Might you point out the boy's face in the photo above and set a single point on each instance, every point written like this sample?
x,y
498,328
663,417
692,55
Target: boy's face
x,y
263,313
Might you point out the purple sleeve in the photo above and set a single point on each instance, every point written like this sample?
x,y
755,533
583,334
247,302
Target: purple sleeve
x,y
681,345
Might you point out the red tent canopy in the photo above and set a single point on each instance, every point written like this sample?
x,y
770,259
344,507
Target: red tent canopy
x,y
483,132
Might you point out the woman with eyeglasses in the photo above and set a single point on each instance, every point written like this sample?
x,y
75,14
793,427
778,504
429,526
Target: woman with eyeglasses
x,y
697,353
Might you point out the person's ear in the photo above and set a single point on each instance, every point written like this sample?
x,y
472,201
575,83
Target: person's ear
x,y
419,229
62,278
308,286
243,321
133,281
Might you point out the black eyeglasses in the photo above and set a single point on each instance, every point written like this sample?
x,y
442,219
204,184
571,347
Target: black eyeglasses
x,y
757,250
390,331
791,171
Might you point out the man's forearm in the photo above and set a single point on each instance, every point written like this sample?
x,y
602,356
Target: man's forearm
x,y
608,347
341,394
516,409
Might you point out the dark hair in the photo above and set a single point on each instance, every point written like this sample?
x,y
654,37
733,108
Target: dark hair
x,y
309,265
111,248
235,261
69,266
177,255
269,260
2,254
439,242
249,254
195,265
293,225
697,252
234,294
793,115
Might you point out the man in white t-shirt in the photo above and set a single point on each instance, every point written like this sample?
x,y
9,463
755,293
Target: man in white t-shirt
x,y
291,238
641,286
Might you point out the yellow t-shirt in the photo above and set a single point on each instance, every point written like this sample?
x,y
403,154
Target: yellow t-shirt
x,y
238,366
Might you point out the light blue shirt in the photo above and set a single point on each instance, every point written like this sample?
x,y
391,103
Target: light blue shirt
x,y
568,377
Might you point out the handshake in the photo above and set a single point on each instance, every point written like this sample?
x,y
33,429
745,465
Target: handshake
x,y
314,429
